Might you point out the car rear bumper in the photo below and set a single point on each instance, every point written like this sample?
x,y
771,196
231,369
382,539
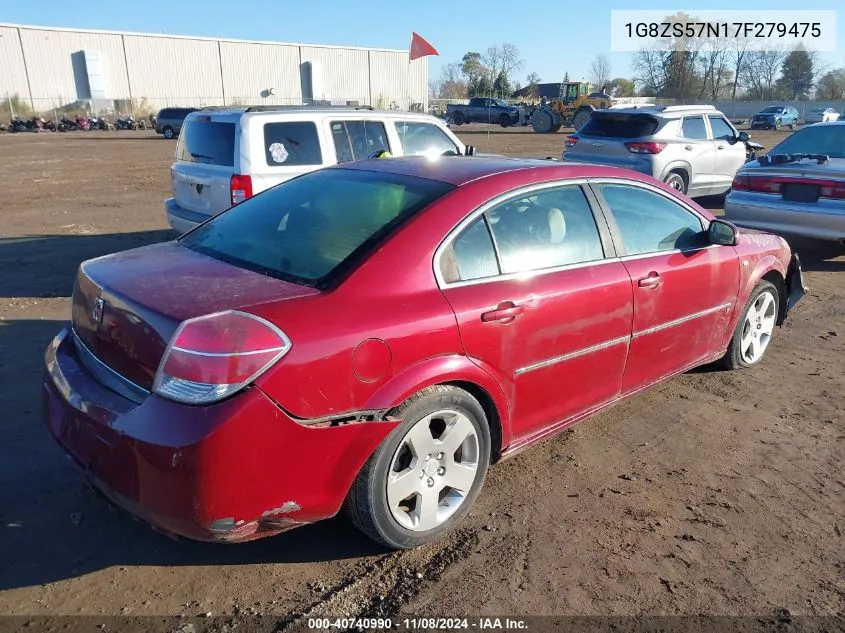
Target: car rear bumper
x,y
181,219
234,471
767,212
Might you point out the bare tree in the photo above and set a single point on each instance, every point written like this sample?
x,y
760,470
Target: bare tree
x,y
739,57
762,72
600,71
713,63
502,58
650,64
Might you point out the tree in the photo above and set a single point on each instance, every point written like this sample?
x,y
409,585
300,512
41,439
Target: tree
x,y
502,86
738,56
472,67
621,87
502,58
762,72
600,71
797,72
451,84
533,79
832,85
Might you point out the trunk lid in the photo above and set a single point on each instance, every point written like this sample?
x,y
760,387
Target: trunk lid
x,y
147,292
799,181
205,162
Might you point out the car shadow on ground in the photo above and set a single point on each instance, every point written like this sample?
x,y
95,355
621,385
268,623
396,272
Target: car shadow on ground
x,y
46,265
54,527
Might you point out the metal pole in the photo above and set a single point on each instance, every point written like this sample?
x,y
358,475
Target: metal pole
x,y
11,107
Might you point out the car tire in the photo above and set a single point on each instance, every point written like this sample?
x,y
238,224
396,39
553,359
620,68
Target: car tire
x,y
792,125
168,132
777,124
676,180
458,118
375,504
505,120
754,330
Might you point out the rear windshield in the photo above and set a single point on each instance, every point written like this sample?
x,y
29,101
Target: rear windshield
x,y
619,125
826,139
312,229
207,142
292,143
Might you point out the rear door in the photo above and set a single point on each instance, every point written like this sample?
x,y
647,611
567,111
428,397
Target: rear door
x,y
730,153
205,162
700,152
541,303
684,288
602,140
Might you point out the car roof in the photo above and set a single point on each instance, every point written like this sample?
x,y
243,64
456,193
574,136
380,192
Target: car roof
x,y
666,112
312,110
460,170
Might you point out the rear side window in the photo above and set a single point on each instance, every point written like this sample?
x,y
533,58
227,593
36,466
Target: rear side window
x,y
619,125
311,229
356,140
693,128
292,143
423,139
471,255
207,142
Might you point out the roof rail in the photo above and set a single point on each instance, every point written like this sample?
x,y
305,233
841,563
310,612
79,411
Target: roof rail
x,y
271,108
684,108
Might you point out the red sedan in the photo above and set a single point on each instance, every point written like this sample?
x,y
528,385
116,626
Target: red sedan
x,y
373,336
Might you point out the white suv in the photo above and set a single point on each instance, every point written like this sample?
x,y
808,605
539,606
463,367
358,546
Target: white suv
x,y
227,155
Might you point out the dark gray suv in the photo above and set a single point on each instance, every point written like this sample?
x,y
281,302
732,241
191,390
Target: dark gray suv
x,y
169,121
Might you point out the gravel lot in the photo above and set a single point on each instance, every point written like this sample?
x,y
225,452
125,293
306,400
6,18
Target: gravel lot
x,y
715,493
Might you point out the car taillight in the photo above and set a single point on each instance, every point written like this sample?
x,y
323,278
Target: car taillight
x,y
241,188
571,141
831,189
763,184
645,148
213,356
740,183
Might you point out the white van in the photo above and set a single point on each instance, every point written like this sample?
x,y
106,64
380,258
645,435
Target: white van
x,y
227,155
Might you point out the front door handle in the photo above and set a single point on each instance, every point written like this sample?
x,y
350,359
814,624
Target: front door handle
x,y
652,281
688,148
720,147
505,312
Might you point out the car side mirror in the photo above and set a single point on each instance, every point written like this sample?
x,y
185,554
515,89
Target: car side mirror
x,y
722,233
743,137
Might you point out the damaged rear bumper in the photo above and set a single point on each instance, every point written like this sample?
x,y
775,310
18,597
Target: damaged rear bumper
x,y
234,471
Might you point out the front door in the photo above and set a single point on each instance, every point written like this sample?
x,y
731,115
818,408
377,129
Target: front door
x,y
730,154
684,288
540,306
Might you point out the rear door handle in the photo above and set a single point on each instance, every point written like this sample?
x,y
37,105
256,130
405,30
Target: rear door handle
x,y
720,147
688,147
652,281
505,312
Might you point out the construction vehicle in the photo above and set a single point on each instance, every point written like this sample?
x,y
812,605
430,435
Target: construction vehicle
x,y
571,110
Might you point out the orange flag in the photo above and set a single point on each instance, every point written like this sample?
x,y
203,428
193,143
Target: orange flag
x,y
421,48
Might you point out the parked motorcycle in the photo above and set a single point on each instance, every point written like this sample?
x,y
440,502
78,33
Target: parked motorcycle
x,y
50,126
66,124
35,124
17,124
82,122
126,123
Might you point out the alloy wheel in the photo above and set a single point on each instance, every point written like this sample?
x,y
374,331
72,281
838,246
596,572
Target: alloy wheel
x,y
758,327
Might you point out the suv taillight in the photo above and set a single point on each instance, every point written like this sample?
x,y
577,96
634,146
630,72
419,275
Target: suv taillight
x,y
645,148
240,188
571,140
213,356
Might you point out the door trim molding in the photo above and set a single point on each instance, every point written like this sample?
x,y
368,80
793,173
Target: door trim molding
x,y
681,320
569,356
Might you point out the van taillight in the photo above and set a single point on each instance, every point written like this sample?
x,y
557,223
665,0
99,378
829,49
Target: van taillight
x,y
240,188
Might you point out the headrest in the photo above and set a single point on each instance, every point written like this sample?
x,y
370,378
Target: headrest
x,y
557,225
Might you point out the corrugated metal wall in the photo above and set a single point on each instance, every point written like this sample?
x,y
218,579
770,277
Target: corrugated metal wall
x,y
160,70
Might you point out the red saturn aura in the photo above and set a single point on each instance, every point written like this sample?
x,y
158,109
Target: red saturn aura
x,y
373,336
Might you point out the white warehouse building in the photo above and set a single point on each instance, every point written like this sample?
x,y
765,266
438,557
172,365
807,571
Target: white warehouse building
x,y
46,68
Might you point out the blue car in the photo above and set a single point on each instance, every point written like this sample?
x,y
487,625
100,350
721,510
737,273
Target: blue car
x,y
775,117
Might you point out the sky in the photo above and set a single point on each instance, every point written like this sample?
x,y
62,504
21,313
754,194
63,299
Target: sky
x,y
553,37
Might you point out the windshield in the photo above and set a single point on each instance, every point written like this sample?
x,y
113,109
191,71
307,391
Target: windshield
x,y
826,139
772,110
315,227
207,142
501,103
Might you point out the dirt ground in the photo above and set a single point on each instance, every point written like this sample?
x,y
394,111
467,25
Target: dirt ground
x,y
717,492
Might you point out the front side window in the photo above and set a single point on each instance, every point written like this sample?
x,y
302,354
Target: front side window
x,y
722,130
554,227
309,229
423,139
650,222
356,140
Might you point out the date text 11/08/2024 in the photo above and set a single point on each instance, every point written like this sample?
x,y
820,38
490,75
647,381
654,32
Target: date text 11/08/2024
x,y
417,624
